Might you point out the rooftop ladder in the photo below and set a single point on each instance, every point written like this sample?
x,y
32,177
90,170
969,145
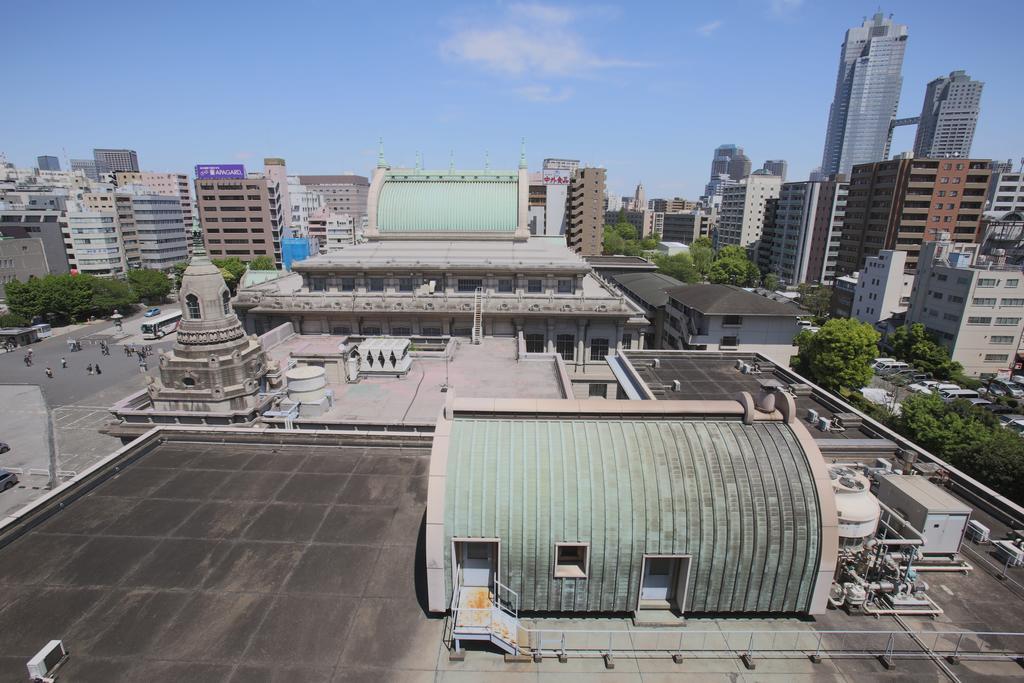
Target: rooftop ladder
x,y
478,315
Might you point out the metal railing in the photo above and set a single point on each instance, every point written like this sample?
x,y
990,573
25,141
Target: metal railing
x,y
686,643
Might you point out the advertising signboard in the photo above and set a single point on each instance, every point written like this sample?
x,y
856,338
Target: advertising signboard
x,y
557,176
220,171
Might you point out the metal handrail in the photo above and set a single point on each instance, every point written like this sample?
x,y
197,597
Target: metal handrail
x,y
498,600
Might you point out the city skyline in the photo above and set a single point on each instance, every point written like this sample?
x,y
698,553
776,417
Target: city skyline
x,y
478,80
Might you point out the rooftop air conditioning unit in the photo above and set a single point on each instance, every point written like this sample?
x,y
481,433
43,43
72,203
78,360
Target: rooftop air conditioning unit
x,y
824,423
978,532
432,286
812,415
677,385
656,363
46,660
744,369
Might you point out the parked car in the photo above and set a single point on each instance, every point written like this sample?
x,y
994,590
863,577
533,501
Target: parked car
x,y
954,394
998,409
4,448
8,480
1000,388
931,386
1005,420
980,402
151,312
887,366
919,388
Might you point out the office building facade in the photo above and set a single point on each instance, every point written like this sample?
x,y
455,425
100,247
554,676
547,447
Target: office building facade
x,y
21,259
883,287
948,117
777,167
166,184
906,202
47,163
150,225
1005,194
95,170
731,161
973,305
117,159
866,96
687,226
741,218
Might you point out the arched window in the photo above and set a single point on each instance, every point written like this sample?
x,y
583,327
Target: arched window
x,y
226,299
192,303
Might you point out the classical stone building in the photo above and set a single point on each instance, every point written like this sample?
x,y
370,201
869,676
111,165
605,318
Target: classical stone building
x,y
214,365
450,253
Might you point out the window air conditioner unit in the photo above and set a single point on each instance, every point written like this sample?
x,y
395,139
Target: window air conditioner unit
x,y
812,415
47,659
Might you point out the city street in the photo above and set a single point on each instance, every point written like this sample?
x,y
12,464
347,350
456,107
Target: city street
x,y
78,402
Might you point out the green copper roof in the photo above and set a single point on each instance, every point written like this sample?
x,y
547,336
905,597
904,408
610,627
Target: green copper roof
x,y
436,201
739,499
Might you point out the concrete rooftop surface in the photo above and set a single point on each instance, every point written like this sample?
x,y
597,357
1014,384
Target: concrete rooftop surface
x,y
487,370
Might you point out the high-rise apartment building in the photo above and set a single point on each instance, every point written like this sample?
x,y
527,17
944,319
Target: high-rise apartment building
x,y
973,305
883,287
800,239
686,226
93,243
731,161
166,184
674,205
867,95
776,167
551,192
47,163
904,203
948,118
341,194
241,215
586,214
1005,194
117,159
741,217
94,170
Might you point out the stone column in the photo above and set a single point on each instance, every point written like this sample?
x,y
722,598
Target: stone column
x,y
618,335
551,336
581,342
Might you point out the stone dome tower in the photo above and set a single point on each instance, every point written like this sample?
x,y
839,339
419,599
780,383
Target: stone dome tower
x,y
214,366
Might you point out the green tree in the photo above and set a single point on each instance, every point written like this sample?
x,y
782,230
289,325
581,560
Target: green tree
x,y
60,298
13,320
262,263
232,269
24,299
771,282
997,461
613,243
839,354
109,294
680,266
913,344
626,230
179,270
815,298
703,256
149,285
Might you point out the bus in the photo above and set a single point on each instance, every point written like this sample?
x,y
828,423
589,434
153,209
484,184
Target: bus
x,y
43,330
159,327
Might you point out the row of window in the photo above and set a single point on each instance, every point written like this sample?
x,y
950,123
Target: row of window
x,y
986,320
990,301
463,285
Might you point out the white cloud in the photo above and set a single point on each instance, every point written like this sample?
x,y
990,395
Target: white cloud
x,y
710,27
544,93
531,38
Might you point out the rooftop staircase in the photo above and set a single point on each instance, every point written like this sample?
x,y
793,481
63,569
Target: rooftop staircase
x,y
477,615
478,315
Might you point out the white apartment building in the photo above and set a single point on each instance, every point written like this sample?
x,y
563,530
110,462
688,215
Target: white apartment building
x,y
973,305
94,244
741,218
883,288
167,184
305,202
150,225
1005,194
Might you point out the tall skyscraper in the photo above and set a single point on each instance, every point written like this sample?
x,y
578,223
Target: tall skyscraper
x,y
777,167
639,198
867,95
586,218
117,159
948,117
94,170
730,160
48,163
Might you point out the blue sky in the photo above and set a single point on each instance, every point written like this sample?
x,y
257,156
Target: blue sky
x,y
645,89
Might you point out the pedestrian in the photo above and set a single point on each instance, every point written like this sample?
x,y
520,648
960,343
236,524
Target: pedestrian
x,y
98,371
63,363
49,372
28,360
89,368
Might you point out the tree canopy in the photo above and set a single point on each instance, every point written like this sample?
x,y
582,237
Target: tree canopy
x,y
231,269
703,255
913,344
149,285
815,298
680,266
732,267
67,298
262,263
839,354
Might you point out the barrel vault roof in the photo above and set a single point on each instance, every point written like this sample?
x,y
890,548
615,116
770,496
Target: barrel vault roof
x,y
435,202
739,499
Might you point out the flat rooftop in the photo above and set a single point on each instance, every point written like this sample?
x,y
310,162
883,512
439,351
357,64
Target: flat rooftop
x,y
715,376
486,370
232,562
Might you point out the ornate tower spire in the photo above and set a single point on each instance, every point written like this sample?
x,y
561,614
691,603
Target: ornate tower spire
x,y
380,154
487,160
451,161
419,162
522,153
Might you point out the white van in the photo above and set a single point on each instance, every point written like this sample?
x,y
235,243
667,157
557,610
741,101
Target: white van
x,y
954,394
887,366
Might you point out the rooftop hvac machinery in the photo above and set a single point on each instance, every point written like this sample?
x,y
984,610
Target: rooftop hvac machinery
x,y
875,572
939,517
